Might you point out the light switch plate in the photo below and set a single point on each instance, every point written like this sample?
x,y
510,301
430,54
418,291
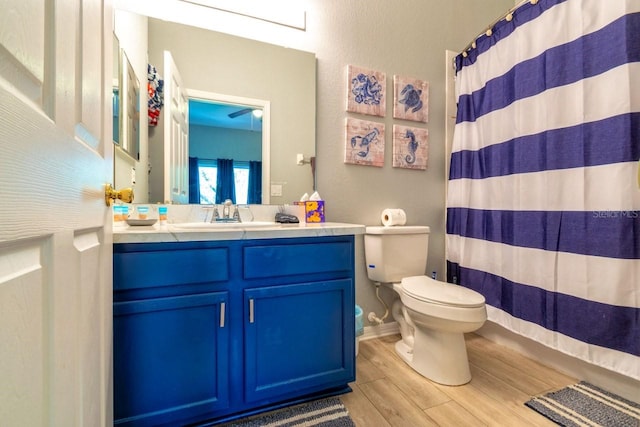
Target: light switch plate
x,y
276,190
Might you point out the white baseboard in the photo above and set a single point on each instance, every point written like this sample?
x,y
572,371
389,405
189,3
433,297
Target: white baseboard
x,y
382,330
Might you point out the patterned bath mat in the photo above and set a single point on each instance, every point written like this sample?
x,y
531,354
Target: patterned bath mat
x,y
329,412
584,404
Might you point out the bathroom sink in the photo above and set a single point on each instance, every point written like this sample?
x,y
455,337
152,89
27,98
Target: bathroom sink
x,y
223,225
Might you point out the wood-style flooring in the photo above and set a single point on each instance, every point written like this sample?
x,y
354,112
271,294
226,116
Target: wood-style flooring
x,y
387,392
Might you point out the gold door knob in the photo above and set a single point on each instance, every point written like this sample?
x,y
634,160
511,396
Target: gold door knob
x,y
126,194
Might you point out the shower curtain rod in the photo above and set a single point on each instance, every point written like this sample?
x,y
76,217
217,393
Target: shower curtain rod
x,y
489,30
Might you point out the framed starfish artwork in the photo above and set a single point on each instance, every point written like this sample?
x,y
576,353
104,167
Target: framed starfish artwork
x,y
410,99
366,91
410,147
364,143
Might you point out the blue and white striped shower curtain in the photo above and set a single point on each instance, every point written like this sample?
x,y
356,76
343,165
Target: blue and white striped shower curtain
x,y
543,205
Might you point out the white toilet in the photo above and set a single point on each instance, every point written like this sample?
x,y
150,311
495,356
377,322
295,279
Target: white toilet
x,y
432,315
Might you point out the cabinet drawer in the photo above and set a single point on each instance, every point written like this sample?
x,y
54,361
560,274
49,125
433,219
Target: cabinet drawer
x,y
138,270
296,259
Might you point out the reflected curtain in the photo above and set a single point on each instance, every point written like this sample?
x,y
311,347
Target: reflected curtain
x,y
254,195
226,188
543,211
194,181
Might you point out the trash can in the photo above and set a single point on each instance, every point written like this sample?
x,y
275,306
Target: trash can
x,y
359,326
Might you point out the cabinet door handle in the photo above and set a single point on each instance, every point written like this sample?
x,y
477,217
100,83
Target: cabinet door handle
x,y
222,314
251,310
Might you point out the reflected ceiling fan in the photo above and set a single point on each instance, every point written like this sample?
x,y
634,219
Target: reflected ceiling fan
x,y
256,112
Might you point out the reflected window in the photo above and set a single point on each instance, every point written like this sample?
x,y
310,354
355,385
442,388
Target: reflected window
x,y
116,115
241,178
208,181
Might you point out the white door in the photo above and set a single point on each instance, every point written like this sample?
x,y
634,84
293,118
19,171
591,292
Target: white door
x,y
56,155
176,134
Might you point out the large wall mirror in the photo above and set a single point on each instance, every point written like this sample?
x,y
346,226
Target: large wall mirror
x,y
229,81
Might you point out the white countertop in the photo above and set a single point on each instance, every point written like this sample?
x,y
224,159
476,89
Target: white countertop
x,y
173,233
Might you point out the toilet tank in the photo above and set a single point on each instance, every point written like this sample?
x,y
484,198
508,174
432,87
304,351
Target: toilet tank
x,y
392,253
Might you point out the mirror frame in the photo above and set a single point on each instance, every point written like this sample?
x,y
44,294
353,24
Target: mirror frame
x,y
116,85
129,98
266,128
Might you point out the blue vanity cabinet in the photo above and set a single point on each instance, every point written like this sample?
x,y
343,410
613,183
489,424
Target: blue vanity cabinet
x,y
212,331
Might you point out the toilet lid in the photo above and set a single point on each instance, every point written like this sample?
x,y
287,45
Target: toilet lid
x,y
426,289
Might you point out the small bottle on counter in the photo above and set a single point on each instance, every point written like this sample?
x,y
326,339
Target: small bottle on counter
x,y
143,211
162,215
117,215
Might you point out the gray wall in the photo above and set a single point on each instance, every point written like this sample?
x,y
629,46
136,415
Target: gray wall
x,y
407,38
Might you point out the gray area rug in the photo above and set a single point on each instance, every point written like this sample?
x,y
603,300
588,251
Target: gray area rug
x,y
584,404
329,412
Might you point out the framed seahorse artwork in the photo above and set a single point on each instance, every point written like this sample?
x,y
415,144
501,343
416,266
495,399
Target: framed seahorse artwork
x,y
410,99
410,147
364,143
366,91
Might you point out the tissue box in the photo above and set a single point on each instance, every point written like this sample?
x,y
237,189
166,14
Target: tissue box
x,y
313,210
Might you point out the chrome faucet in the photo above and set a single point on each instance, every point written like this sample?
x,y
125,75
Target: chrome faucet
x,y
230,213
226,209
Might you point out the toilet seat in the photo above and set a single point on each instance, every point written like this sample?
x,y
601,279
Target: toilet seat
x,y
426,289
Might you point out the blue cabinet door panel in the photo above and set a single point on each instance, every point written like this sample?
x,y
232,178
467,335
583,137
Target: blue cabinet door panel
x,y
295,259
155,269
301,338
170,358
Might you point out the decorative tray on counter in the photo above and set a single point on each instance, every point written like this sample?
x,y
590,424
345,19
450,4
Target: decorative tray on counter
x,y
135,222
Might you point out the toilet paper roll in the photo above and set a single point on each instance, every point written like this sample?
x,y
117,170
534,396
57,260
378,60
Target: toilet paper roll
x,y
391,217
